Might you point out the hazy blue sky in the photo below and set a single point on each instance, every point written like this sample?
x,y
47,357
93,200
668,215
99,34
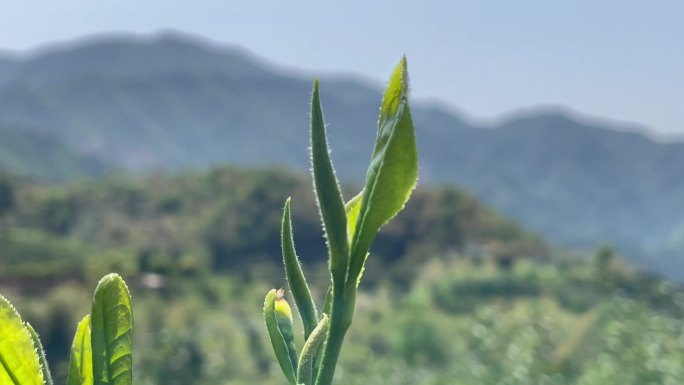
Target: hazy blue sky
x,y
620,59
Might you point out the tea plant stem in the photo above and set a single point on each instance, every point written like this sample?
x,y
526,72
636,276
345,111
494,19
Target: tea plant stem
x,y
340,320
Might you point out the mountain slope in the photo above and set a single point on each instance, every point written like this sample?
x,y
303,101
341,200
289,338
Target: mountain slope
x,y
45,156
582,184
173,102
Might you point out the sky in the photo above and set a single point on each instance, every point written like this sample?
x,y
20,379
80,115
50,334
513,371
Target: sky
x,y
615,59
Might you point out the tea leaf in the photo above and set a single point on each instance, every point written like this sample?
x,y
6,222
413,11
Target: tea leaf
x,y
41,354
283,313
19,363
295,276
111,325
352,209
327,307
81,359
280,346
328,194
393,169
306,359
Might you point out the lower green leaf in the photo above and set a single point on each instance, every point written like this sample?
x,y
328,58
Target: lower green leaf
x,y
111,326
295,276
81,360
41,354
311,347
280,345
19,363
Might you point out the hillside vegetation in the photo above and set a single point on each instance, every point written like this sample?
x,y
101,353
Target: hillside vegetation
x,y
453,293
223,220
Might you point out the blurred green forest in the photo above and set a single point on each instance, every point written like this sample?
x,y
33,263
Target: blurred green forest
x,y
453,292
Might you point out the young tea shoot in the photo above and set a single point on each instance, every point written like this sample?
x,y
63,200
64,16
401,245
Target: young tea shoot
x,y
350,228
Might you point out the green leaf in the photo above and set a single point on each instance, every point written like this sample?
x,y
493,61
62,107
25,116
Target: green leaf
x,y
393,169
295,276
41,354
81,360
306,359
283,313
352,209
328,193
280,346
111,326
327,307
19,363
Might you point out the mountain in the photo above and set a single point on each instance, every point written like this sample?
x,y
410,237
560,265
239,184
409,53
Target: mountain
x,y
177,103
581,184
174,102
45,156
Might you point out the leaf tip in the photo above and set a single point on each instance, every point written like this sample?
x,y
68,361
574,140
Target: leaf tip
x,y
113,279
282,307
269,300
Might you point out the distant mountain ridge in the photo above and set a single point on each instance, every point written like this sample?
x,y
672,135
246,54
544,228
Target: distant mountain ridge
x,y
173,102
